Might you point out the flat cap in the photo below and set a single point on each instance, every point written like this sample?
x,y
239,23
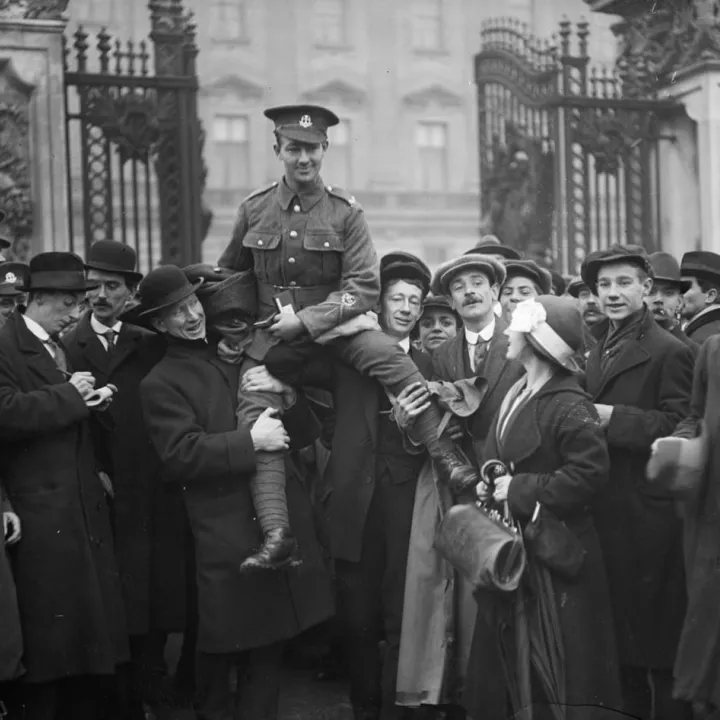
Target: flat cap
x,y
632,254
448,270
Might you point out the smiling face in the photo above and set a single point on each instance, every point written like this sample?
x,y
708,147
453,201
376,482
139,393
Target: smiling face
x,y
302,161
400,308
185,319
665,301
435,327
622,289
472,296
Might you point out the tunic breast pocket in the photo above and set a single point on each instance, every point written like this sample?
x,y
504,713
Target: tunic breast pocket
x,y
265,247
324,257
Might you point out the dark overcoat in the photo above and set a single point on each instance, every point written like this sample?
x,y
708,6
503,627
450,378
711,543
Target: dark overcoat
x,y
697,667
68,587
676,331
451,362
351,470
11,647
704,325
189,400
560,459
649,387
149,517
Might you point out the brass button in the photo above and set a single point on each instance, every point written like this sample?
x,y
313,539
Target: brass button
x,y
327,244
296,208
293,283
260,242
291,260
293,233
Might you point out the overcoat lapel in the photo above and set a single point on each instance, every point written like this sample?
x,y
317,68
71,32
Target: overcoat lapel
x,y
497,362
91,347
124,347
631,355
39,362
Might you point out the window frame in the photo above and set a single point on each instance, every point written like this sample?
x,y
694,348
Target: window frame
x,y
218,19
440,48
344,26
226,148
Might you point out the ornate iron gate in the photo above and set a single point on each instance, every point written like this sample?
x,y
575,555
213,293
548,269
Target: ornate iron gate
x,y
134,141
567,152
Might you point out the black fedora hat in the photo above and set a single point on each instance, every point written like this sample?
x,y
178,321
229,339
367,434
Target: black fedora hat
x,y
400,265
114,257
224,290
667,270
61,271
491,245
631,254
162,287
701,264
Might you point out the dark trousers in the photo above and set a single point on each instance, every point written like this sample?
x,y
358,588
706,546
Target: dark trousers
x,y
647,695
258,686
74,698
371,595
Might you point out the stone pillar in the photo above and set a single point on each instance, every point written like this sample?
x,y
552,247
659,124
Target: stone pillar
x,y
33,177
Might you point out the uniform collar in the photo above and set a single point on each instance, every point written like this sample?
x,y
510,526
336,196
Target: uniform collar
x,y
307,199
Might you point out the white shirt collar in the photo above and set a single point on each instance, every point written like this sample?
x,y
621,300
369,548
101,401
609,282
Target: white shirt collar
x,y
37,330
100,329
486,334
405,344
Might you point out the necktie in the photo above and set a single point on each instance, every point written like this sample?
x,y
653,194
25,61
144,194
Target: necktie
x,y
110,335
58,355
479,354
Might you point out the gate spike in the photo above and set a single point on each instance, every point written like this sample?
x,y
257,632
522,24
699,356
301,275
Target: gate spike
x,y
583,31
565,32
144,57
103,46
130,57
118,58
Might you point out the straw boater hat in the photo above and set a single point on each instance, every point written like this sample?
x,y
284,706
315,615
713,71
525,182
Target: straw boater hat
x,y
632,254
553,326
494,270
530,269
666,269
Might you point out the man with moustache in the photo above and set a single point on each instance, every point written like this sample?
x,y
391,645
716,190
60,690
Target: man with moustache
x,y
640,379
438,323
148,517
701,302
67,583
525,279
666,296
591,314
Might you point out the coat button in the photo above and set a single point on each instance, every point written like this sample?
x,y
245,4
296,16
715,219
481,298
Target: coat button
x,y
326,244
260,242
296,208
293,233
291,260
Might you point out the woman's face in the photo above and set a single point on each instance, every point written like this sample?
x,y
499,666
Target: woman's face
x,y
517,345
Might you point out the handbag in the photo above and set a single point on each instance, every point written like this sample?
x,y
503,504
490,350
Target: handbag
x,y
480,543
551,541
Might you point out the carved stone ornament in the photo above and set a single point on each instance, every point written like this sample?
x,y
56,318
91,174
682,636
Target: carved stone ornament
x,y
33,9
669,38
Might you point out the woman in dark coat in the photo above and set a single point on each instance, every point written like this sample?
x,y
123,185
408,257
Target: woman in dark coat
x,y
10,633
548,434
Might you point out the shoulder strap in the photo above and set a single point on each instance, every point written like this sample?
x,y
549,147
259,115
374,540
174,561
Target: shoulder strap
x,y
342,195
262,190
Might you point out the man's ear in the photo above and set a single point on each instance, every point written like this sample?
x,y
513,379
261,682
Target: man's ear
x,y
158,324
647,286
712,296
325,145
495,289
276,148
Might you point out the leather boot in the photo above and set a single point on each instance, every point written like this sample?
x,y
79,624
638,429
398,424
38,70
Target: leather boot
x,y
456,471
279,549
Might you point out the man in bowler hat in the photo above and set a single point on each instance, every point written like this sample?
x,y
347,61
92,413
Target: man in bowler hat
x,y
67,583
149,519
189,401
701,302
310,249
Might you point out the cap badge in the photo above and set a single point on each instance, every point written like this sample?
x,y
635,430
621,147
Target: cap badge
x,y
348,299
11,278
305,121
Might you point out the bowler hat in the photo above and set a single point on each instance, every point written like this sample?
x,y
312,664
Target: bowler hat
x,y
494,270
632,254
304,123
666,269
224,291
114,257
62,271
15,273
490,245
530,269
553,326
702,264
162,287
400,265
576,286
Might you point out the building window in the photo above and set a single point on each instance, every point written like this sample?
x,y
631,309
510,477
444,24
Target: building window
x,y
431,140
337,165
330,23
228,21
231,152
427,25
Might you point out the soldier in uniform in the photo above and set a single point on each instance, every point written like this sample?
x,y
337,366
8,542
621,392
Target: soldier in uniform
x,y
312,254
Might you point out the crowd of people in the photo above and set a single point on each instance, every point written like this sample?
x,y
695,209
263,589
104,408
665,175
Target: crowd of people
x,y
302,435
